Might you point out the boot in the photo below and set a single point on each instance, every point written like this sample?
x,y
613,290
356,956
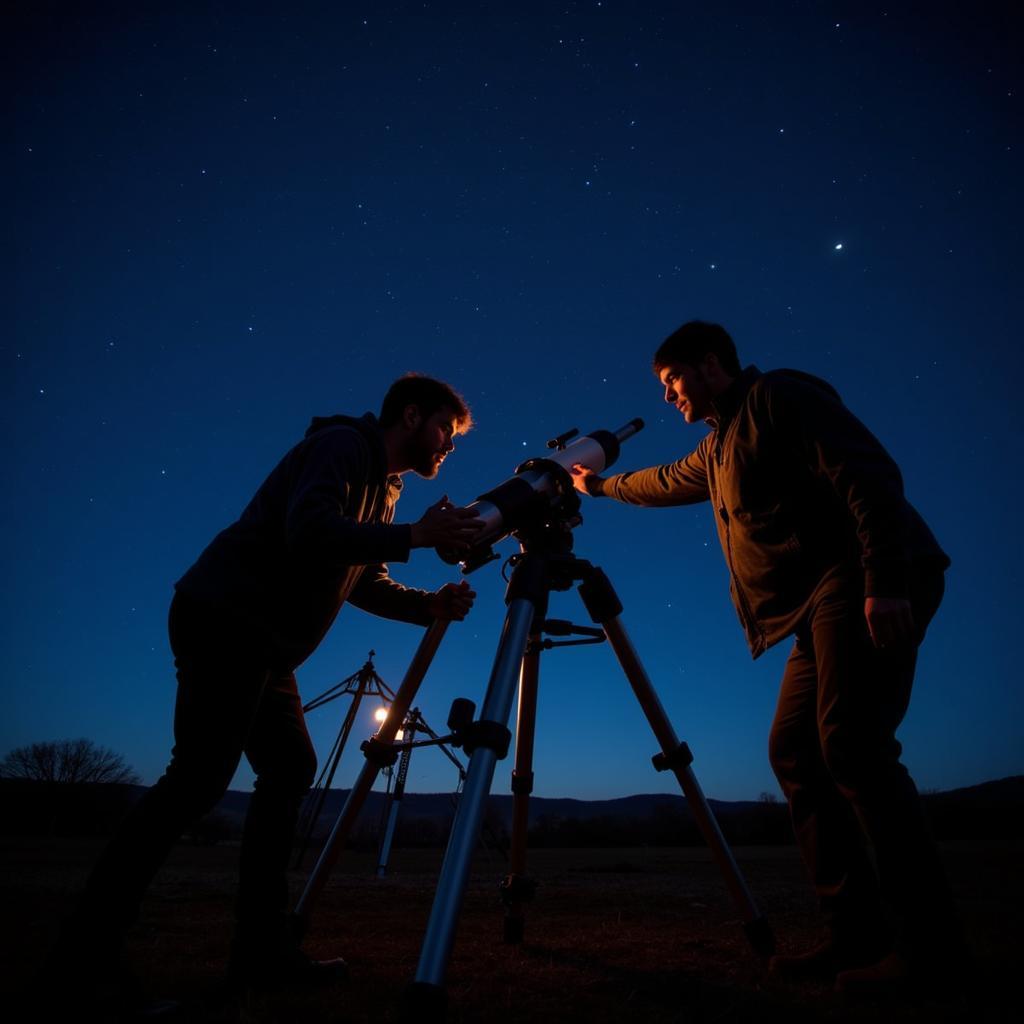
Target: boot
x,y
89,986
262,962
943,970
837,953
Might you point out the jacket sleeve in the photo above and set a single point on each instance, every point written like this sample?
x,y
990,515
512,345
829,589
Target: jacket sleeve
x,y
377,593
842,451
321,521
684,482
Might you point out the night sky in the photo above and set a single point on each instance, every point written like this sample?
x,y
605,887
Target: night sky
x,y
226,223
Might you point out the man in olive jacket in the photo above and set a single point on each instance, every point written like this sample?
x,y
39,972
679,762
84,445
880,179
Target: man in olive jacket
x,y
257,602
820,544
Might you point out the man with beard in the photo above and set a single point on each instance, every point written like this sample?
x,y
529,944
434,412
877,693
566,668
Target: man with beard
x,y
257,602
821,544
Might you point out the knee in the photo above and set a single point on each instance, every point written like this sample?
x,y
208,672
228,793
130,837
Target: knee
x,y
196,786
783,755
859,766
293,774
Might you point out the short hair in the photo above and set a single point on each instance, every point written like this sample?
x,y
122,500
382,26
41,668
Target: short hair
x,y
429,395
695,340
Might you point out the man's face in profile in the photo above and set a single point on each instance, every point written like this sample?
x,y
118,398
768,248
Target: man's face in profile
x,y
686,389
431,442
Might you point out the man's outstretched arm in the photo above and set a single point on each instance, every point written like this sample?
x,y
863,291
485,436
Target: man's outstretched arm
x,y
684,482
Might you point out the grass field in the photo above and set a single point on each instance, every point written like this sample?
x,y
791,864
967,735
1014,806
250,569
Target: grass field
x,y
625,935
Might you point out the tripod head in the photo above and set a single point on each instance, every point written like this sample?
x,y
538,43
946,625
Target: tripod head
x,y
540,497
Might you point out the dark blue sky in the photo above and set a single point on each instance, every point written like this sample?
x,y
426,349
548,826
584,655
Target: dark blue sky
x,y
225,223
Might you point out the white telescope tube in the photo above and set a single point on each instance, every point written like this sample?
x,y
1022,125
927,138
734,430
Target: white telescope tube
x,y
505,508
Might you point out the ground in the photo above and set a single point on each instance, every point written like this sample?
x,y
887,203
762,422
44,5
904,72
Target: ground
x,y
612,936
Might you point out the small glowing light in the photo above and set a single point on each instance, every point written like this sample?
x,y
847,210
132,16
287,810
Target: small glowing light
x,y
839,246
400,735
380,714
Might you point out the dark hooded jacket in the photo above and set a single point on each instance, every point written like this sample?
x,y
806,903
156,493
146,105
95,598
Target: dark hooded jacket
x,y
316,534
805,497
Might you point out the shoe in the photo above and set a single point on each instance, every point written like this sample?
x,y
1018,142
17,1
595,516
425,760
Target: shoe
x,y
85,990
888,976
826,960
284,969
944,975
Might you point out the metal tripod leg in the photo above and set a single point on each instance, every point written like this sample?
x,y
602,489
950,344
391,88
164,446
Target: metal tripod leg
x,y
323,784
377,754
488,738
676,756
395,803
517,888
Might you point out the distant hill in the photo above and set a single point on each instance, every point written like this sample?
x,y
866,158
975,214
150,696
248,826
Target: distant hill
x,y
992,810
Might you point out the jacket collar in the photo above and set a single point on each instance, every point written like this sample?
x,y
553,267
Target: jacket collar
x,y
728,402
375,435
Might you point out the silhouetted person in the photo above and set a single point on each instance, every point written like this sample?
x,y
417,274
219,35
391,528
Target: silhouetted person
x,y
318,532
820,545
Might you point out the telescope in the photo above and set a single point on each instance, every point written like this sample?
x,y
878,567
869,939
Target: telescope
x,y
540,491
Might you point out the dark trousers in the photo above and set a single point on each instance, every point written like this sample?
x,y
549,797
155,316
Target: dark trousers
x,y
230,701
834,750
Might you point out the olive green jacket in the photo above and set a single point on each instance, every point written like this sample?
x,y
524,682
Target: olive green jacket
x,y
803,494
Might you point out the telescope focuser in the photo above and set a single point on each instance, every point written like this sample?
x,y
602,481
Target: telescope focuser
x,y
560,441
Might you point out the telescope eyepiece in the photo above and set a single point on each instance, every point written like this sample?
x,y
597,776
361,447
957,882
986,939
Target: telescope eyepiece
x,y
563,439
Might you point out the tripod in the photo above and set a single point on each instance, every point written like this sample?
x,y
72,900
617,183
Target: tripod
x,y
364,683
381,752
414,722
547,564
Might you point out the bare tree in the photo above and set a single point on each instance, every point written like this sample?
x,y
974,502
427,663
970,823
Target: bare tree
x,y
66,761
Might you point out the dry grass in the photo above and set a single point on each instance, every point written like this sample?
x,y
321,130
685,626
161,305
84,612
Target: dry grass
x,y
612,936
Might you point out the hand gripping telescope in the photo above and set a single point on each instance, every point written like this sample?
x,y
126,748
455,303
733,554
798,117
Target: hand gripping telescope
x,y
539,488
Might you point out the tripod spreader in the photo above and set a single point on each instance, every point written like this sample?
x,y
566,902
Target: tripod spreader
x,y
466,733
562,627
385,755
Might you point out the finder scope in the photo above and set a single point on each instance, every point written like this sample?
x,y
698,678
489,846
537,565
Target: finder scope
x,y
537,488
